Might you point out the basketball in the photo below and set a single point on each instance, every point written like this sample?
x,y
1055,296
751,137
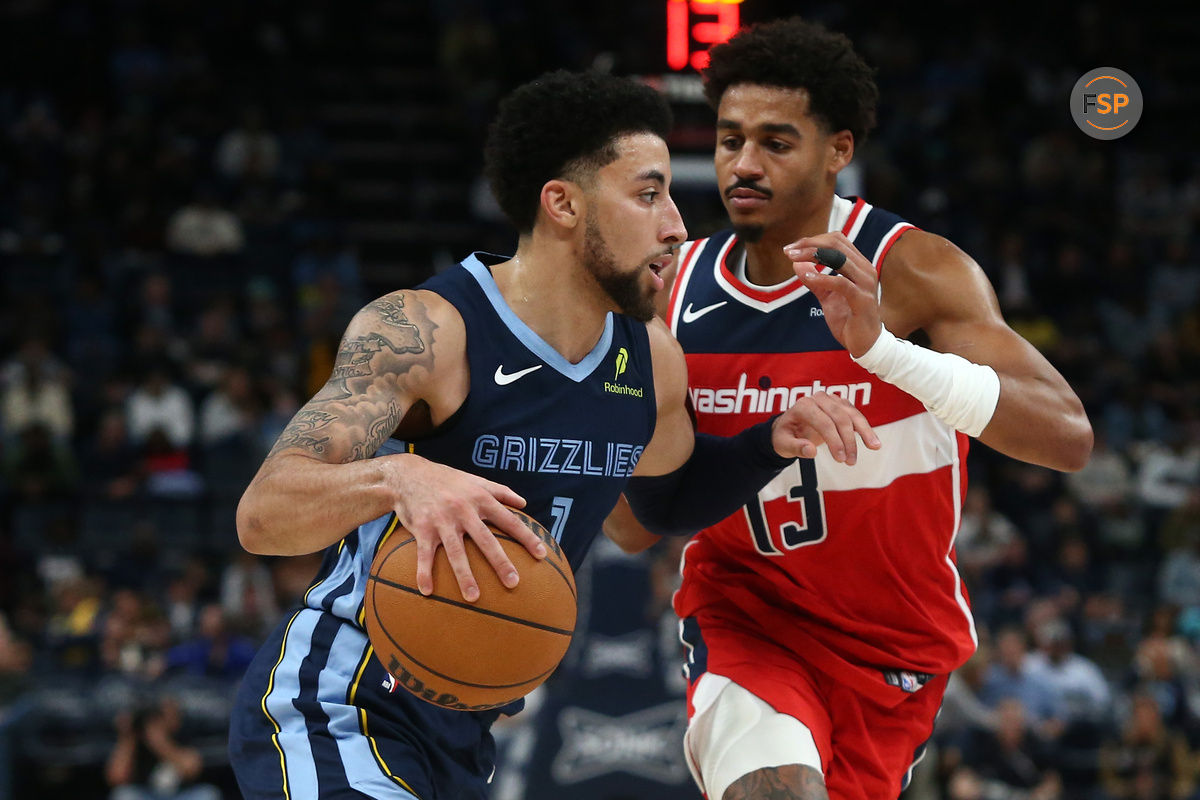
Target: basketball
x,y
470,656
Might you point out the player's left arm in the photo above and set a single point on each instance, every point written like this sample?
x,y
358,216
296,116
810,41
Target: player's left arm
x,y
1029,412
685,481
1038,418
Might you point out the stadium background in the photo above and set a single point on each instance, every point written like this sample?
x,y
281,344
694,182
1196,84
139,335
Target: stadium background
x,y
196,196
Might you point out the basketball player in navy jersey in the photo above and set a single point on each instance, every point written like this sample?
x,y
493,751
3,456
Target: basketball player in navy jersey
x,y
540,381
823,619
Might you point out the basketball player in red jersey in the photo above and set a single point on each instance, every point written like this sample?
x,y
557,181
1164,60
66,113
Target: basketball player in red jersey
x,y
823,620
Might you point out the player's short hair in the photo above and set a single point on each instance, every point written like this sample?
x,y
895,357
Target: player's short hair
x,y
564,125
796,54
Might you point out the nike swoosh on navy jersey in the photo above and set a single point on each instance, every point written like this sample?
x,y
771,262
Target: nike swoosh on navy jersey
x,y
690,315
503,379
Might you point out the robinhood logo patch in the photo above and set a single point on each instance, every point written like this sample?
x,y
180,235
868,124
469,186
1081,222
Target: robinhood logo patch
x,y
622,363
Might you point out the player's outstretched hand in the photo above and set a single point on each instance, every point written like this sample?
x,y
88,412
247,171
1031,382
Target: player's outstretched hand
x,y
822,419
441,506
847,295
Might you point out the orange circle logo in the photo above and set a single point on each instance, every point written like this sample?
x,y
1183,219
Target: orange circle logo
x,y
1106,103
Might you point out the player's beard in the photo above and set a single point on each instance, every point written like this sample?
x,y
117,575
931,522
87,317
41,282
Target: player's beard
x,y
625,289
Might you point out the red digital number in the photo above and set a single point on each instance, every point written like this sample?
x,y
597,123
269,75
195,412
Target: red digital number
x,y
683,31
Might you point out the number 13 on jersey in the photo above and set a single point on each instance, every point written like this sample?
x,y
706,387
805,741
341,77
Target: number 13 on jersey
x,y
789,512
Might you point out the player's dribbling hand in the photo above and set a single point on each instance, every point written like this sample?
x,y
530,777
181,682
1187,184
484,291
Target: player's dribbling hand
x,y
441,506
822,419
848,296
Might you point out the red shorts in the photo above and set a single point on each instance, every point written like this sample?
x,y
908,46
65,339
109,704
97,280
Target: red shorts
x,y
867,749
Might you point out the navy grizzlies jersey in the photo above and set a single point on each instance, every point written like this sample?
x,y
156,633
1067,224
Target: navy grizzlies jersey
x,y
317,713
564,436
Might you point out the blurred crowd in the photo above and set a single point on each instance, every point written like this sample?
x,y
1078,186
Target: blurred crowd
x,y
175,271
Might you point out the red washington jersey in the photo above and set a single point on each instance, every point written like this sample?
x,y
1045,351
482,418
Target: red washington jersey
x,y
850,567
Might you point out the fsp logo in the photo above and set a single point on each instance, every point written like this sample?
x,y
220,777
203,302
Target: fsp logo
x,y
1106,103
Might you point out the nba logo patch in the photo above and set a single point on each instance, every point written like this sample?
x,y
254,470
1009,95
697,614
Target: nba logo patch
x,y
906,681
390,684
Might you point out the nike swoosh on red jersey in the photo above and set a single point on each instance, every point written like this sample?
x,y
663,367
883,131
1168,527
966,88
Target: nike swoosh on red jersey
x,y
690,315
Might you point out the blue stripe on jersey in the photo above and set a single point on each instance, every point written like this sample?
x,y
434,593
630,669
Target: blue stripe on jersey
x,y
348,657
324,745
341,590
342,564
292,739
536,344
330,772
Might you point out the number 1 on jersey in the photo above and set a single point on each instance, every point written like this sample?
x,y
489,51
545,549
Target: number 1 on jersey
x,y
793,519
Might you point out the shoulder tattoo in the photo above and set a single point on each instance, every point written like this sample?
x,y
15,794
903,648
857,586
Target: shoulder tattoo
x,y
359,406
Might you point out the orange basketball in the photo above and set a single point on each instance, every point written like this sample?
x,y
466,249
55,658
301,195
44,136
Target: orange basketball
x,y
470,656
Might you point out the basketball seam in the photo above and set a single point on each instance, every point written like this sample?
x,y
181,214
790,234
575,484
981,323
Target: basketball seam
x,y
570,583
567,578
432,671
472,607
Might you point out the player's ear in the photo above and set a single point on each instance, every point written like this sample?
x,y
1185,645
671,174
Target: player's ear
x,y
562,202
841,150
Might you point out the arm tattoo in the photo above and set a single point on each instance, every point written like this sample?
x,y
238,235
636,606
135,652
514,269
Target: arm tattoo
x,y
380,430
300,432
391,312
355,357
359,406
788,782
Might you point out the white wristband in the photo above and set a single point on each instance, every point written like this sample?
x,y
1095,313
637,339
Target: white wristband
x,y
959,392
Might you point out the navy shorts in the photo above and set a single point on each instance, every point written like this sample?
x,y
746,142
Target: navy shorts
x,y
318,716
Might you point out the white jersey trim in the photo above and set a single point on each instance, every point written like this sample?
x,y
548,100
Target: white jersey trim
x,y
959,597
888,240
840,213
736,292
896,458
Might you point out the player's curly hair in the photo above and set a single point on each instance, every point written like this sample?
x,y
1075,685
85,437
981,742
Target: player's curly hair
x,y
563,125
796,54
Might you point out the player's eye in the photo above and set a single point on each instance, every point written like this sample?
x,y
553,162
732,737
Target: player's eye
x,y
649,195
731,143
778,146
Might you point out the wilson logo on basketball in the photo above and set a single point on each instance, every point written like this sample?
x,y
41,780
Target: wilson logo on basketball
x,y
403,677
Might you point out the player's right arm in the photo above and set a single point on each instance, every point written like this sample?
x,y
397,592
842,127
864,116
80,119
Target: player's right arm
x,y
319,482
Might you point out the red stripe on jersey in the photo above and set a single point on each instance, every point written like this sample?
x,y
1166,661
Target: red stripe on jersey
x,y
854,212
755,292
672,304
888,246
